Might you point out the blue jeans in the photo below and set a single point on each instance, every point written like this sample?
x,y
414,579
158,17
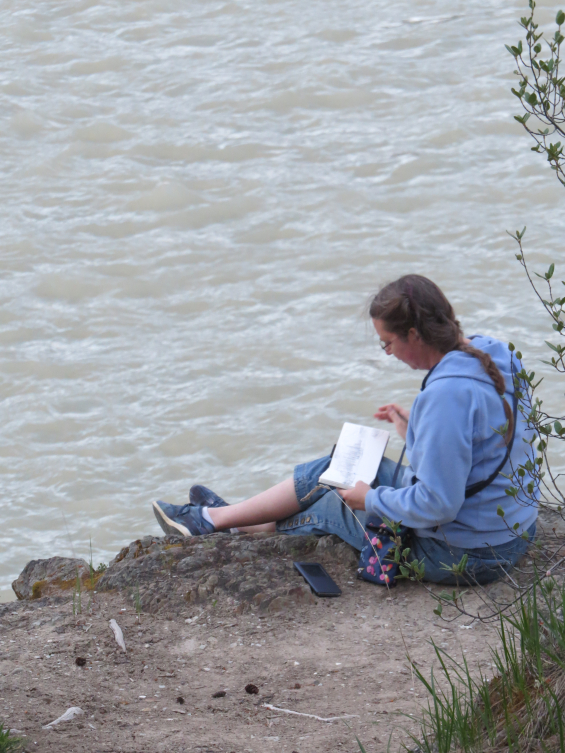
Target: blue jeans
x,y
322,512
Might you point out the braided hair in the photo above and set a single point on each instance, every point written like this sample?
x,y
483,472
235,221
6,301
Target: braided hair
x,y
415,302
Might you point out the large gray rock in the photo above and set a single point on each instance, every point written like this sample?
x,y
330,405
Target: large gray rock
x,y
243,570
166,574
47,577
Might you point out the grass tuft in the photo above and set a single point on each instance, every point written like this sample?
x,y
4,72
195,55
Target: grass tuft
x,y
520,709
9,743
137,602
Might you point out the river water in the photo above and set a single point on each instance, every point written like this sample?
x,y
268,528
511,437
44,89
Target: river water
x,y
197,200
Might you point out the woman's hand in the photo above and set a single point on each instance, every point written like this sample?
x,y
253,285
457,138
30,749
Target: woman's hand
x,y
396,415
355,497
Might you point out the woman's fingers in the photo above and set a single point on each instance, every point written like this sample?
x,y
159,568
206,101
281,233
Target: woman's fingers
x,y
383,417
387,412
389,406
396,415
383,411
355,497
390,413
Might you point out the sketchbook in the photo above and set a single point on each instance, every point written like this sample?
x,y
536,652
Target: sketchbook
x,y
357,456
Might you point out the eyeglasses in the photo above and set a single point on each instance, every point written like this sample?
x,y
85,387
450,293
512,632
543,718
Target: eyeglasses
x,y
386,343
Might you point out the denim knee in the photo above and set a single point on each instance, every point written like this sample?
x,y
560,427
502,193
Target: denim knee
x,y
328,514
306,478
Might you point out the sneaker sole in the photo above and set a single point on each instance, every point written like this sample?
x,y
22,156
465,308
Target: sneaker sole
x,y
168,525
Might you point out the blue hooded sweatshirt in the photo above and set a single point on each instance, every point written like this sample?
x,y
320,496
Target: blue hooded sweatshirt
x,y
451,443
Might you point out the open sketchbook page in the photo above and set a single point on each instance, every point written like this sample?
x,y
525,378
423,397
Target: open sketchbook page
x,y
357,456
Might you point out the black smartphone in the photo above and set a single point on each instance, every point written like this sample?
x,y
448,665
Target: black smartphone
x,y
318,579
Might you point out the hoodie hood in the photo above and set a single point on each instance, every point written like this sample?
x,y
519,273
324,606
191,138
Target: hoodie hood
x,y
457,364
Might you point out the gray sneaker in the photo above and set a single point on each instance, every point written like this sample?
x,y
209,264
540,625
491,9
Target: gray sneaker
x,y
184,519
202,496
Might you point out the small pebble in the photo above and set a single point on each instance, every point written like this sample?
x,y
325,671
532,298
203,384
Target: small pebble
x,y
180,700
251,689
219,694
80,661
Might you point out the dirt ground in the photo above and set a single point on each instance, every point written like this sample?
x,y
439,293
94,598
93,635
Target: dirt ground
x,y
345,656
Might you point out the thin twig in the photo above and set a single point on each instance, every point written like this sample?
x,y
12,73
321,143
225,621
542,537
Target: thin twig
x,y
311,716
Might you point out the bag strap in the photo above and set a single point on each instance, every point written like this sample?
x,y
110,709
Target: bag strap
x,y
470,491
398,466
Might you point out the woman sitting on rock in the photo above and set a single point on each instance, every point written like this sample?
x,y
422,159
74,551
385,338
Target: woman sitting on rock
x,y
449,493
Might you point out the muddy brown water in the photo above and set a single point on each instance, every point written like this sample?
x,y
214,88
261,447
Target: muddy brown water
x,y
197,200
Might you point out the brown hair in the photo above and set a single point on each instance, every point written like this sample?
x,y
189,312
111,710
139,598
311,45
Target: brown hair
x,y
414,302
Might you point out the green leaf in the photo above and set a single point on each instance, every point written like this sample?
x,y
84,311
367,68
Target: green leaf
x,y
438,610
516,526
560,18
550,271
500,512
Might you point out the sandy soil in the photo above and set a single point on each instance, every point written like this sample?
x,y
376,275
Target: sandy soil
x,y
344,656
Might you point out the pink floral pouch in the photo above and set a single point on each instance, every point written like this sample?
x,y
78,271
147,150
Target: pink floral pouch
x,y
377,562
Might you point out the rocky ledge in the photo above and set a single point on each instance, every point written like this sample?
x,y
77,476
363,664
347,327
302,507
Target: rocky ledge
x,y
164,574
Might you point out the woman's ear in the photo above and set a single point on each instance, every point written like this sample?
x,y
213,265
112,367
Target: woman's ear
x,y
414,334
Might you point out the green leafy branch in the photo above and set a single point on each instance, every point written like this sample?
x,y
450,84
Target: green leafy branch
x,y
543,427
541,89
